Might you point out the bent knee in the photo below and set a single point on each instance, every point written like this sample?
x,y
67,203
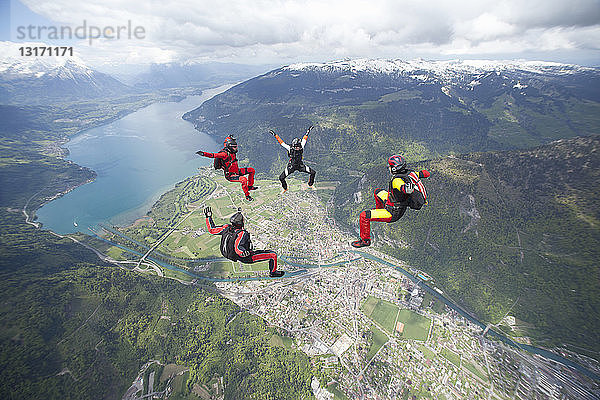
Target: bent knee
x,y
380,213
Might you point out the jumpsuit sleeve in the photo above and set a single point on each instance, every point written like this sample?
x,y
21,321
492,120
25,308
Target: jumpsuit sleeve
x,y
282,143
241,243
220,154
304,139
212,228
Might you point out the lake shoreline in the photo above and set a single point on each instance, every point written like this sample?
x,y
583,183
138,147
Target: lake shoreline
x,y
126,184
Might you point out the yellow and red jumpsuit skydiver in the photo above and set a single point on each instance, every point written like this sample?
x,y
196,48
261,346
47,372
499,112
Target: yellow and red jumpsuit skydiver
x,y
295,163
242,246
232,172
405,190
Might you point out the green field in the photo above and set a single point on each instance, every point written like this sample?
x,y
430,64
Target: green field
x,y
115,253
451,356
171,370
438,306
381,311
477,370
379,339
177,275
337,393
281,341
415,326
428,354
179,387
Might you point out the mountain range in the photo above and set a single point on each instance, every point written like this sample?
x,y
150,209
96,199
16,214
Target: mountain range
x,y
364,108
41,80
37,80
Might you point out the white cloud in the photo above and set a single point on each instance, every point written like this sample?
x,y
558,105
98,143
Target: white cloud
x,y
280,31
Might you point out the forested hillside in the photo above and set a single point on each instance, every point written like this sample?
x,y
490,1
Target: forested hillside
x,y
509,229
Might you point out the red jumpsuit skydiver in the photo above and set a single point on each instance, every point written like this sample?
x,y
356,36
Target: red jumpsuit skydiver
x,y
230,166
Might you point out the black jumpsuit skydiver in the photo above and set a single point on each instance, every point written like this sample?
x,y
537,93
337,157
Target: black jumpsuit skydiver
x,y
295,163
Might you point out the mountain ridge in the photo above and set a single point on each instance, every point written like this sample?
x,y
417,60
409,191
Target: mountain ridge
x,y
471,112
39,80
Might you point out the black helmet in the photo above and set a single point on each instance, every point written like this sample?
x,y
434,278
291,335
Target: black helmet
x,y
397,164
296,143
237,220
230,144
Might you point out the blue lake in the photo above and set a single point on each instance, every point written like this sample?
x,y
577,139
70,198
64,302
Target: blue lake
x,y
137,158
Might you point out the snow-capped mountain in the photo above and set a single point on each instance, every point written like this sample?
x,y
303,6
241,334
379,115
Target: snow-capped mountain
x,y
457,74
439,106
440,69
37,80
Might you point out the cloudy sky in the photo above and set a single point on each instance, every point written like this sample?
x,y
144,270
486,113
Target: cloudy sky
x,y
286,31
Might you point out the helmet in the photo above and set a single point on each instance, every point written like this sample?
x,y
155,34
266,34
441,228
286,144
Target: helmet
x,y
237,220
230,144
296,143
397,164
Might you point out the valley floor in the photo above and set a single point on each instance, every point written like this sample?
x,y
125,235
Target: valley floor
x,y
368,328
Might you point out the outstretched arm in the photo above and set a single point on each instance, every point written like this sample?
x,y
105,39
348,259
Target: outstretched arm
x,y
305,138
280,140
220,154
212,228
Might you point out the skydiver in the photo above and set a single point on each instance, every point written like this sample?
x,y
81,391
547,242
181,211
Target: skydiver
x,y
295,163
226,160
236,244
405,190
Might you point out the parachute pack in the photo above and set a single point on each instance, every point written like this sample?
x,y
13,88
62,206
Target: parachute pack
x,y
418,197
228,243
218,163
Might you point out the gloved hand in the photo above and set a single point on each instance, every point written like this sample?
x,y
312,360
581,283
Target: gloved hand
x,y
201,153
208,212
425,173
245,253
409,187
272,132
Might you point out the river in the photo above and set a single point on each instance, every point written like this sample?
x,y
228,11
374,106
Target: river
x,y
137,158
